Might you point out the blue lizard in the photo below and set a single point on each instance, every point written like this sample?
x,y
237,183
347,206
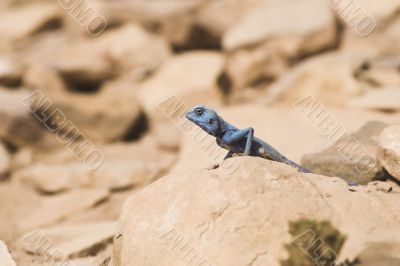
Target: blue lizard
x,y
236,141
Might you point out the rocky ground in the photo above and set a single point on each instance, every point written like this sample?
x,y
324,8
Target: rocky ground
x,y
98,165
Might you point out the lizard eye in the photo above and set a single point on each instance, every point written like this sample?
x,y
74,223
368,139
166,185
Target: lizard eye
x,y
211,121
199,111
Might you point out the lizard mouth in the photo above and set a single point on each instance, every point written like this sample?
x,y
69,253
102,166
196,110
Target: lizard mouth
x,y
188,116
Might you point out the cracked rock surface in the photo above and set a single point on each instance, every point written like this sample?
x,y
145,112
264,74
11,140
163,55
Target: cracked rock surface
x,y
241,217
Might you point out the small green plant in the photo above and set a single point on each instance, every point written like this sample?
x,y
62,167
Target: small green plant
x,y
314,244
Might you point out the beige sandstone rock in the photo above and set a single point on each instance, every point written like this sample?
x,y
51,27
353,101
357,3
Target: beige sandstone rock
x,y
172,18
352,158
272,15
56,208
70,241
16,202
379,99
19,23
45,78
22,158
114,175
124,49
382,71
189,24
124,166
5,256
381,13
19,126
250,68
328,78
381,253
383,40
200,69
5,163
44,48
10,72
108,115
88,261
389,150
383,77
212,215
167,135
387,186
208,18
264,40
132,48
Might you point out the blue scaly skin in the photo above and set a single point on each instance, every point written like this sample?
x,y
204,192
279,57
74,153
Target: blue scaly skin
x,y
236,141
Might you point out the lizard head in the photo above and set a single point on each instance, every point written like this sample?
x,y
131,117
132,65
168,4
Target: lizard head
x,y
205,118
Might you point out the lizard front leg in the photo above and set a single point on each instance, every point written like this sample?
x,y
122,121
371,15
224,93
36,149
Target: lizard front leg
x,y
249,141
232,137
229,155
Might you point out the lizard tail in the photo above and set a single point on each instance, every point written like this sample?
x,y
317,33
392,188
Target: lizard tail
x,y
273,154
298,167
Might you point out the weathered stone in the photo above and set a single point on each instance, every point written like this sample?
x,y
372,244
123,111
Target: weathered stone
x,y
19,23
247,210
328,78
106,116
5,163
16,202
44,49
88,261
386,186
252,68
379,99
19,126
382,40
264,40
389,150
248,32
71,241
199,81
44,78
172,18
10,72
353,158
379,72
129,48
56,208
5,256
109,115
354,14
381,253
167,135
124,166
208,18
370,28
22,158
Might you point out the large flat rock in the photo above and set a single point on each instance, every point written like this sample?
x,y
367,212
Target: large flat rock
x,y
57,208
124,166
71,241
